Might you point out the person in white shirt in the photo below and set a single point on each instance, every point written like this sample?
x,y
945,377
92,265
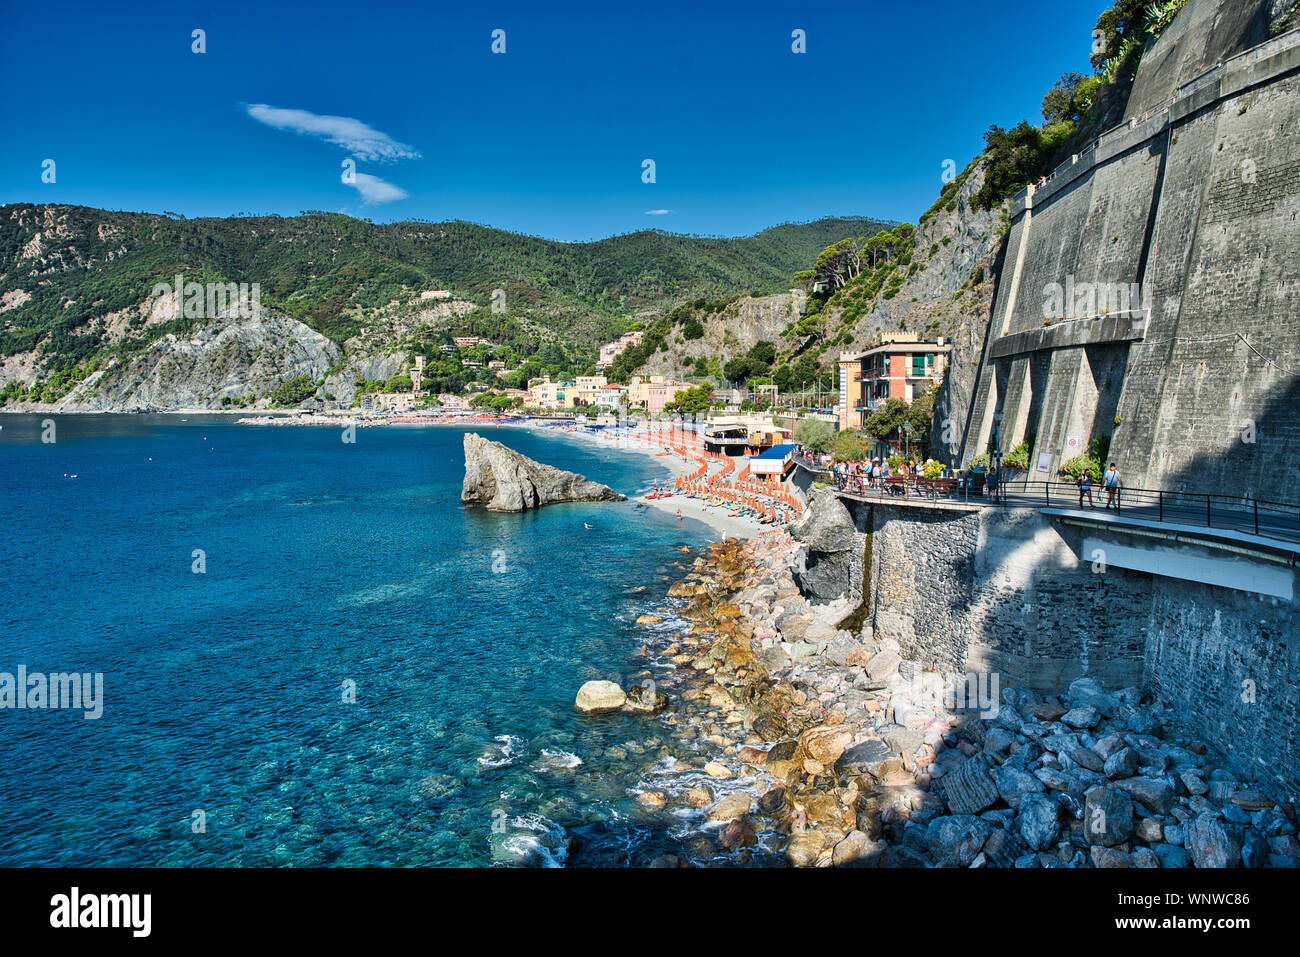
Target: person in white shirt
x,y
1112,484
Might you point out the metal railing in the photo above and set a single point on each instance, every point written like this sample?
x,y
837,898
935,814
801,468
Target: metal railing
x,y
900,486
1238,513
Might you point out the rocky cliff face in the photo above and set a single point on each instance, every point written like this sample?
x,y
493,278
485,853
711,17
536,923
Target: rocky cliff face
x,y
228,357
951,294
732,332
502,480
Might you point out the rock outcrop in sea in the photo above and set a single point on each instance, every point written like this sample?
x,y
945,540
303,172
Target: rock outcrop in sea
x,y
502,480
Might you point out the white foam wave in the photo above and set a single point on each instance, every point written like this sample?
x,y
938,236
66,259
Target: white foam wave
x,y
500,754
557,760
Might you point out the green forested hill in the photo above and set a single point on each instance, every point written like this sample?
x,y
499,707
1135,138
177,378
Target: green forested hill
x,y
331,271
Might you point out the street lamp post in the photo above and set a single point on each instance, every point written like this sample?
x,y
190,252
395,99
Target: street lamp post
x,y
907,430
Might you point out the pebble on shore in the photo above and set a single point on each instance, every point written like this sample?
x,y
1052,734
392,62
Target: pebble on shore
x,y
848,758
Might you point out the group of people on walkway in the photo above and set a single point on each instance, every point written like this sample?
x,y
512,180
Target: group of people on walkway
x,y
876,473
1110,482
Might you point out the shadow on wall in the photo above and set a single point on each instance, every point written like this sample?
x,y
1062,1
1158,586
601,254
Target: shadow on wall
x,y
1262,459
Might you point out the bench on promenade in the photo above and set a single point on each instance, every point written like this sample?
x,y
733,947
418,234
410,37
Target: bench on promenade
x,y
894,484
936,487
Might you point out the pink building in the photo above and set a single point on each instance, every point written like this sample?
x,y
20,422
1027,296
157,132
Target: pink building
x,y
612,350
659,394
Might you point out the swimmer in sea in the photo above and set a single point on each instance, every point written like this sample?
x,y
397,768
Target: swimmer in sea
x,y
679,516
586,526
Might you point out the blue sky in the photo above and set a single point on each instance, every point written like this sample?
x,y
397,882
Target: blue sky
x,y
548,138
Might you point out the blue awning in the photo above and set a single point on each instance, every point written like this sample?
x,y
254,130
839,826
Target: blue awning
x,y
775,452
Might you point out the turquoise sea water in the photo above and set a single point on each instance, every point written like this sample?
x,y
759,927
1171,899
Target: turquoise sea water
x,y
326,563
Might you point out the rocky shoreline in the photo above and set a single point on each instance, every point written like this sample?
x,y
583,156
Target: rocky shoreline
x,y
853,757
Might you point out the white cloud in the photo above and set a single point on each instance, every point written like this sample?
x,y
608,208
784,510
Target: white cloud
x,y
375,190
658,212
353,135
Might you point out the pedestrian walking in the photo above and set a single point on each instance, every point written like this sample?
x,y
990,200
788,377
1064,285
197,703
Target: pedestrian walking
x,y
1112,483
1085,487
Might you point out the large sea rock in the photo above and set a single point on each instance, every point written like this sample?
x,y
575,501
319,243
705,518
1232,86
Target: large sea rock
x,y
827,534
505,481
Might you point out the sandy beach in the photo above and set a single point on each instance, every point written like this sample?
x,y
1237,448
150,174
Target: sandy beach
x,y
674,465
727,526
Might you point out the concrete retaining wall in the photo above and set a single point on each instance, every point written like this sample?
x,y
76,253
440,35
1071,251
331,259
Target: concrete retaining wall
x,y
1198,201
1011,592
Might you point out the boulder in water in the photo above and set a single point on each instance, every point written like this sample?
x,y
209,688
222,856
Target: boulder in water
x,y
502,480
595,697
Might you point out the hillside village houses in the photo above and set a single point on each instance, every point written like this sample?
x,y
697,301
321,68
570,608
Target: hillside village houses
x,y
648,393
612,350
903,367
652,393
398,401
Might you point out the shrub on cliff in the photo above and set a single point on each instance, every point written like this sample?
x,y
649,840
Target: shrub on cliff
x,y
891,419
293,391
1017,157
1018,458
693,401
1094,461
1075,467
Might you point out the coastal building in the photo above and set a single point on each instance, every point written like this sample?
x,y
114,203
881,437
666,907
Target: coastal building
x,y
436,294
652,393
742,434
659,394
903,367
417,377
542,393
466,342
638,390
545,394
587,389
611,351
496,364
612,396
773,464
389,401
